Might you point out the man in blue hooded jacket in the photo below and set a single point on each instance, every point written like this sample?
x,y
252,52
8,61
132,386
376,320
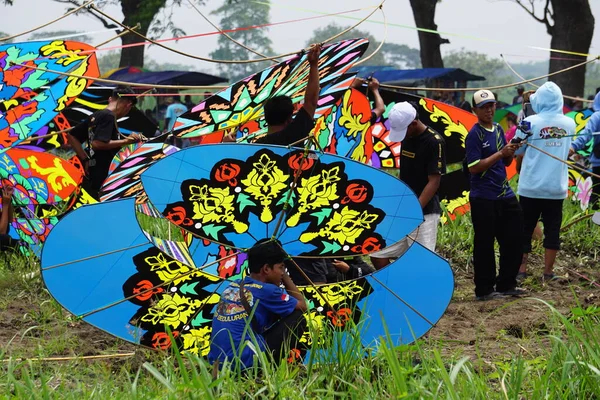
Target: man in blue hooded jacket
x,y
592,132
544,181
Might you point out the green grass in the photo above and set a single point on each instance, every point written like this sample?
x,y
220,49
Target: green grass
x,y
569,368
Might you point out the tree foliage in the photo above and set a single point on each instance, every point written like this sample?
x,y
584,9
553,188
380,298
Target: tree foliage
x,y
155,17
240,14
393,54
493,69
4,34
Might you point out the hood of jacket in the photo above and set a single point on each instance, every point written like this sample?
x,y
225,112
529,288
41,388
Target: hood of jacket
x,y
548,98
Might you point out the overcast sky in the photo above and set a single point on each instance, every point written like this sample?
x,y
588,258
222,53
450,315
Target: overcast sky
x,y
488,26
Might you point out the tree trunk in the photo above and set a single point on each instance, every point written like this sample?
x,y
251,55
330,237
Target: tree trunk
x,y
132,56
142,12
572,30
424,13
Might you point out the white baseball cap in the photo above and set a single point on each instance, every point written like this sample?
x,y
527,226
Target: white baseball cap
x,y
400,116
482,97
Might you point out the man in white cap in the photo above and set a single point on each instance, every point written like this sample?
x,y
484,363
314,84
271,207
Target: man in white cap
x,y
422,163
495,211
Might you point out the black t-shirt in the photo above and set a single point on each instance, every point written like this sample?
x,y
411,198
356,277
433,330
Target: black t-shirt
x,y
297,130
358,269
314,268
103,127
421,156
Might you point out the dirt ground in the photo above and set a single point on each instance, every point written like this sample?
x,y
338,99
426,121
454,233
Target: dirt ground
x,y
499,329
31,325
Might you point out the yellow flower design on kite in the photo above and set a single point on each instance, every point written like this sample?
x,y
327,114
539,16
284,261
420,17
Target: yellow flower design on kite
x,y
197,341
345,226
354,127
55,175
167,270
212,204
316,192
172,310
264,183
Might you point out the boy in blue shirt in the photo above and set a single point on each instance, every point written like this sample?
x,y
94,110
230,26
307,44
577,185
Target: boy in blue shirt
x,y
544,181
495,211
592,131
278,318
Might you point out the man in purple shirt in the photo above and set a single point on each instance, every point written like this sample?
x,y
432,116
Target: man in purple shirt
x,y
495,211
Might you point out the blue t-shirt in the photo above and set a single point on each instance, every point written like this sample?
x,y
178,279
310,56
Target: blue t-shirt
x,y
174,111
480,144
230,318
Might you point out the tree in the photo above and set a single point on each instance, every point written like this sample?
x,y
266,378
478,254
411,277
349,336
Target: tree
x,y
430,43
4,34
493,69
154,17
238,14
570,23
393,54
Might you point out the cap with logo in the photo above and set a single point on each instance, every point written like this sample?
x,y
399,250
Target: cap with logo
x,y
482,97
400,116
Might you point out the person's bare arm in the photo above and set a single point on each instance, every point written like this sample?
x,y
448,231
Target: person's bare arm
x,y
379,104
7,211
506,155
433,184
293,291
78,148
311,96
114,144
519,163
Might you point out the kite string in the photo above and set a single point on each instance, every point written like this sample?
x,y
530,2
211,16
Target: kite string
x,y
48,23
165,283
143,85
491,87
537,86
216,32
95,357
137,26
385,34
374,277
92,6
574,166
433,31
222,32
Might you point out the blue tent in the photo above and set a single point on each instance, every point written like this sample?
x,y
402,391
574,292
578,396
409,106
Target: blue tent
x,y
415,77
180,78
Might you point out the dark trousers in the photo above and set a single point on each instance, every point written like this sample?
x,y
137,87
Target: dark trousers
x,y
595,199
92,187
285,334
550,212
500,220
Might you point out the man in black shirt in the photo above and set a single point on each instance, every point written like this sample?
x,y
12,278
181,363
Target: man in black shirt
x,y
422,163
284,130
101,134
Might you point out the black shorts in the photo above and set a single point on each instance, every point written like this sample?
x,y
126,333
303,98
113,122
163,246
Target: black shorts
x,y
550,211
